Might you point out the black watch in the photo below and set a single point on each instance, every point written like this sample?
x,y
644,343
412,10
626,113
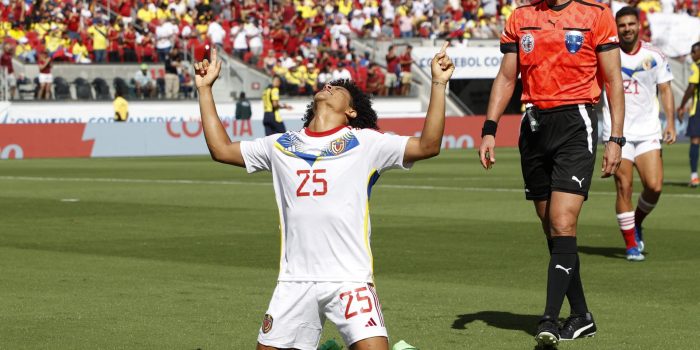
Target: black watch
x,y
618,140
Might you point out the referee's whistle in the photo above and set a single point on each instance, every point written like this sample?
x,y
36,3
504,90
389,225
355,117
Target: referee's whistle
x,y
531,114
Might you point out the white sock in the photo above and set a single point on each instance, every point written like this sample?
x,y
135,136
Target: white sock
x,y
625,220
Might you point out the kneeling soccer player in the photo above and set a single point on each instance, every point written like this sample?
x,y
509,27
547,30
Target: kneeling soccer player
x,y
323,176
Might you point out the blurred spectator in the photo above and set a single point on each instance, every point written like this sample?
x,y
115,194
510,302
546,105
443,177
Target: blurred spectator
x,y
45,77
216,34
98,33
406,61
269,62
240,42
375,80
121,106
340,32
243,110
144,84
324,77
293,80
312,73
393,70
254,35
165,37
80,52
406,25
24,51
114,49
173,63
129,43
6,64
186,83
341,72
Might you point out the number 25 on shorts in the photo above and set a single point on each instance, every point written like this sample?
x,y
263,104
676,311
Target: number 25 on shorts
x,y
318,185
363,305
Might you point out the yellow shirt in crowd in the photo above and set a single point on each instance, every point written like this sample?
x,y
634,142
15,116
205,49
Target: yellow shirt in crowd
x,y
99,36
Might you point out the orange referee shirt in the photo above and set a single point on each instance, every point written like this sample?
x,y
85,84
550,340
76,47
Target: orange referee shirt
x,y
557,49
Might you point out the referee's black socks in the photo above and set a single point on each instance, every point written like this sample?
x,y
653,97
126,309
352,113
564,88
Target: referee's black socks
x,y
562,267
577,300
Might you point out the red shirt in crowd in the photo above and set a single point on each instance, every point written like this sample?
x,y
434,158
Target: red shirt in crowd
x,y
6,62
406,61
113,38
41,61
392,64
129,39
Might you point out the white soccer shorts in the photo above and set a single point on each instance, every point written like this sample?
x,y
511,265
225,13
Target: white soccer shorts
x,y
298,311
633,149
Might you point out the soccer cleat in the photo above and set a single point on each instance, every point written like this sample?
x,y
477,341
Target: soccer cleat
x,y
633,254
638,238
694,182
547,333
578,326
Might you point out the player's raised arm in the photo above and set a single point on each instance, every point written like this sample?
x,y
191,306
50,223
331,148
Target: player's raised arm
x,y
501,93
429,143
220,146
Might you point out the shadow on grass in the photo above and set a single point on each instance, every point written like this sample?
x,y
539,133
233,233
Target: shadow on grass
x,y
608,252
502,320
676,183
499,319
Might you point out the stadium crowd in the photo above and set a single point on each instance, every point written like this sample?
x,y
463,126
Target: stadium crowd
x,y
305,42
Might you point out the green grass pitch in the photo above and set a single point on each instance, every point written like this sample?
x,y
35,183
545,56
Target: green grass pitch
x,y
182,253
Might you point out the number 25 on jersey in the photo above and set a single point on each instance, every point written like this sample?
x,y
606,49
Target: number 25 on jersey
x,y
312,183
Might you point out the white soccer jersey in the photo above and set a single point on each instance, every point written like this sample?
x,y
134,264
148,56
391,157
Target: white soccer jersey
x,y
641,73
323,183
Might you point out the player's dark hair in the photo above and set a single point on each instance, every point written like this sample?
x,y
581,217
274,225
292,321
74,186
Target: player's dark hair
x,y
361,103
695,46
627,11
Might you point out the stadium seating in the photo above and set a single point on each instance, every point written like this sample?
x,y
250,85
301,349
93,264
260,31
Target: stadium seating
x,y
61,89
101,89
83,90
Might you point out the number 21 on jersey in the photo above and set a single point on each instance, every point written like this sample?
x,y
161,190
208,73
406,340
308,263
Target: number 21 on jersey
x,y
312,183
631,86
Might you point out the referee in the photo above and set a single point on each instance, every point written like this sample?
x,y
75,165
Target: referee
x,y
564,50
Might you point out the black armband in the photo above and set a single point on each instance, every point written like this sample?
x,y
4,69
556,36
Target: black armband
x,y
489,128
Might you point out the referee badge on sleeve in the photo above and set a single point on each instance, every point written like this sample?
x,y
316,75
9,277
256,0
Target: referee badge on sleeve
x,y
574,41
527,43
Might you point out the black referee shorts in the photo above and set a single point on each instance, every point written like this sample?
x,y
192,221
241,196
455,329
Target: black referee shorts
x,y
560,156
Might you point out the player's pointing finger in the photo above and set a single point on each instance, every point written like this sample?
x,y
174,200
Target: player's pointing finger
x,y
444,47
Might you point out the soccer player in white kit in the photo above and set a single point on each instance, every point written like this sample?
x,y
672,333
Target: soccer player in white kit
x,y
323,177
644,68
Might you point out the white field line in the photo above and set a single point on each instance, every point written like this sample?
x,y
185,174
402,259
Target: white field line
x,y
253,183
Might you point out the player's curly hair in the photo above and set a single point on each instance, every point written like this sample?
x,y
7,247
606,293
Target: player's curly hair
x,y
366,116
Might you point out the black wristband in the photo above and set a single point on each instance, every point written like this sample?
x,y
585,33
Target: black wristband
x,y
489,128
